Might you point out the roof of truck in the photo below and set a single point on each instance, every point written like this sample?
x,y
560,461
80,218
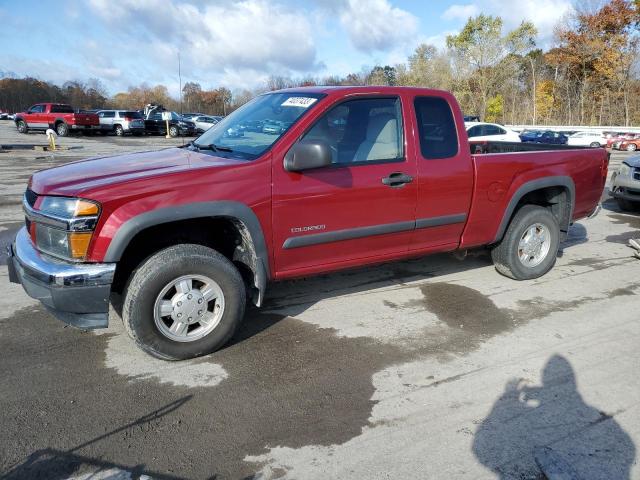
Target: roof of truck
x,y
356,89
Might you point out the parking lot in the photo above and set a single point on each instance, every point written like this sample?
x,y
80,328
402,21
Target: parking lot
x,y
435,365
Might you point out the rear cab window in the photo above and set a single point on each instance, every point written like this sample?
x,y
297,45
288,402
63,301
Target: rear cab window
x,y
436,127
61,109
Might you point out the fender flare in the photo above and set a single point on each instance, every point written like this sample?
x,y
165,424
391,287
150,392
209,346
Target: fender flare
x,y
528,187
227,209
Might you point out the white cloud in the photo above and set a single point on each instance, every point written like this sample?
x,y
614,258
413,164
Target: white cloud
x,y
375,25
251,34
460,12
544,14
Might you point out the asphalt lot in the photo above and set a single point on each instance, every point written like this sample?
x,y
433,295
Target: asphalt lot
x,y
430,368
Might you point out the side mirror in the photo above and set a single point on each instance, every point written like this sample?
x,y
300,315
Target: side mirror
x,y
307,155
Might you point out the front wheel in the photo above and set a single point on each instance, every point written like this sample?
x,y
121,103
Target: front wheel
x,y
594,145
21,126
183,302
119,130
530,244
173,131
626,205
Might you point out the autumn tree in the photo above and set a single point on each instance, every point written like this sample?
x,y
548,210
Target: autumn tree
x,y
480,48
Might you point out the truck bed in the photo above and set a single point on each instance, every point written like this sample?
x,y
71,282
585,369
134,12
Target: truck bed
x,y
504,168
480,147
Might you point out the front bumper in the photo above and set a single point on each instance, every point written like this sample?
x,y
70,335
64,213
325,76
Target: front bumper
x,y
627,188
76,293
85,127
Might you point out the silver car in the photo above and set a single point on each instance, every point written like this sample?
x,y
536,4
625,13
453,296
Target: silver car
x,y
121,122
204,122
625,184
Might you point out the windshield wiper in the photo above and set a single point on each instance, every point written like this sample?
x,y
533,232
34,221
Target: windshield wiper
x,y
213,147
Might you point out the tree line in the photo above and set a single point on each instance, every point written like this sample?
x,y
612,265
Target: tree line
x,y
589,76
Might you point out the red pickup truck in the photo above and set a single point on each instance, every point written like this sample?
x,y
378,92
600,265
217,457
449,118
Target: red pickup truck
x,y
359,175
57,116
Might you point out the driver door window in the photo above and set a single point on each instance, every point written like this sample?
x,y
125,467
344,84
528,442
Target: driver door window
x,y
361,132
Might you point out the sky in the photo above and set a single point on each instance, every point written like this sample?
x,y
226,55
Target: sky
x,y
237,44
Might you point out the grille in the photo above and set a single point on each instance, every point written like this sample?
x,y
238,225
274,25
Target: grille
x,y
31,197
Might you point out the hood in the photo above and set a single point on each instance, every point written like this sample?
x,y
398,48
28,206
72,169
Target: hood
x,y
633,161
75,178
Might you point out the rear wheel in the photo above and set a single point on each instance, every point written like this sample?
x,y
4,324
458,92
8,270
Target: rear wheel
x,y
183,302
62,129
21,125
530,244
631,147
594,145
119,130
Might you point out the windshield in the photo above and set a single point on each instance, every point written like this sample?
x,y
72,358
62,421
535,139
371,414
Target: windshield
x,y
252,129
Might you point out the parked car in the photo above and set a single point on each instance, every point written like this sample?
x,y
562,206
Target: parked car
x,y
625,184
154,124
630,145
4,115
273,127
58,116
546,136
121,122
587,139
186,233
490,131
471,118
190,116
203,122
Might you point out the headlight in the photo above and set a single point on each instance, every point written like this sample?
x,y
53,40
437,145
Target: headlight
x,y
63,226
625,170
68,207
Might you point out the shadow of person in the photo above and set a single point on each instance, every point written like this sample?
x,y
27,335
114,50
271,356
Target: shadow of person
x,y
550,430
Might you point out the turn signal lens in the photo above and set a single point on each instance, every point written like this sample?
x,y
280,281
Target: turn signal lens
x,y
79,244
84,207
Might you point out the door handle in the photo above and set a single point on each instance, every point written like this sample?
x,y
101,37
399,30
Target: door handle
x,y
397,179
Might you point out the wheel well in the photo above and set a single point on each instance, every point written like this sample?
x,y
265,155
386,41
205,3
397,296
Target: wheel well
x,y
226,235
556,199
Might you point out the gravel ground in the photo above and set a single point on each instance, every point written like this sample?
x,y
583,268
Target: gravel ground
x,y
430,368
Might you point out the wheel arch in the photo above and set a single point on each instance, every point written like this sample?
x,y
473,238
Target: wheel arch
x,y
249,248
557,193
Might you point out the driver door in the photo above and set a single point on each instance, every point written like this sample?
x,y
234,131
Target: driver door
x,y
353,210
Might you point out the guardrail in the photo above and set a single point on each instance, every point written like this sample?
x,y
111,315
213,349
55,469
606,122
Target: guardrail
x,y
577,128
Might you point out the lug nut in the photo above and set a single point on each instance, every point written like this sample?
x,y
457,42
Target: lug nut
x,y
179,315
199,312
199,300
179,304
189,318
189,296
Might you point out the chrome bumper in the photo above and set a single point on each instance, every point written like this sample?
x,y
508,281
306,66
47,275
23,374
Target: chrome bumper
x,y
76,293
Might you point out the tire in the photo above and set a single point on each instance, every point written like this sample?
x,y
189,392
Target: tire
x,y
152,278
506,255
173,131
632,147
21,125
62,129
626,205
119,131
594,145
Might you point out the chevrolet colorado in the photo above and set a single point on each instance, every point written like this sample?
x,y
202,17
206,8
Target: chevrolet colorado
x,y
57,116
360,175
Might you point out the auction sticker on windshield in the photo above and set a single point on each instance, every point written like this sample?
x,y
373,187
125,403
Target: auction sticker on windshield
x,y
303,102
